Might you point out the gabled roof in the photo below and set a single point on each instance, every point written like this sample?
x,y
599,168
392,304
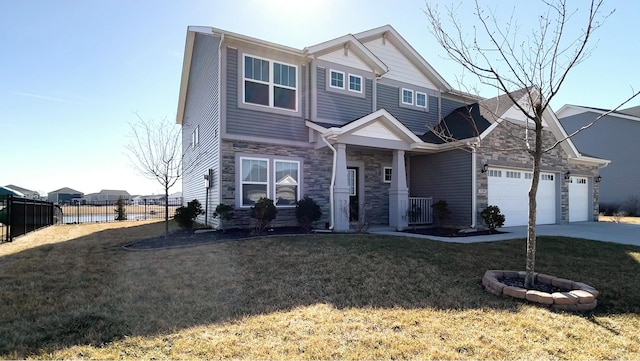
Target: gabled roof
x,y
66,190
20,189
352,44
632,113
113,192
389,33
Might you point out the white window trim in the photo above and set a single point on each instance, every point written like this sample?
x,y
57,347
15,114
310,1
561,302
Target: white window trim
x,y
384,174
426,100
275,183
271,83
361,83
402,96
242,182
195,137
344,80
352,174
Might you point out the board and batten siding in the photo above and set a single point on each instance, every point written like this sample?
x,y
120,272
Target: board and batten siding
x,y
263,124
341,108
444,176
202,110
615,139
417,120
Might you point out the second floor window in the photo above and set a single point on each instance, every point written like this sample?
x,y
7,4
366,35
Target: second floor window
x,y
355,83
407,96
270,83
337,79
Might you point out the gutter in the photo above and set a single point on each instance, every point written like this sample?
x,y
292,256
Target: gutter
x,y
333,181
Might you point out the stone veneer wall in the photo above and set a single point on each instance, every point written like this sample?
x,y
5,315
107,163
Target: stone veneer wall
x,y
316,180
510,136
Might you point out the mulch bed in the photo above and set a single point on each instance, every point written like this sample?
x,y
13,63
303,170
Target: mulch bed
x,y
181,238
538,286
450,232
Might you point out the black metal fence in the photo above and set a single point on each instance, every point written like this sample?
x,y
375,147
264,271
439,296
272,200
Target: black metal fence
x,y
19,216
107,211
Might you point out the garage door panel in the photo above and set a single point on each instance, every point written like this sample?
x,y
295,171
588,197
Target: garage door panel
x,y
509,190
578,199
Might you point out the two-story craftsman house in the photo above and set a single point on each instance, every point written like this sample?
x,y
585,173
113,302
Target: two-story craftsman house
x,y
349,123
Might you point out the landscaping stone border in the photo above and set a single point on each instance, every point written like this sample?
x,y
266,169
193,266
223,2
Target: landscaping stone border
x,y
580,297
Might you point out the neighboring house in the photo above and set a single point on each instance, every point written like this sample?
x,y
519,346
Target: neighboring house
x,y
106,196
175,199
348,122
613,137
27,192
64,196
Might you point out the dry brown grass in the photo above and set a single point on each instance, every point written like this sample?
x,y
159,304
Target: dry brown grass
x,y
629,220
73,292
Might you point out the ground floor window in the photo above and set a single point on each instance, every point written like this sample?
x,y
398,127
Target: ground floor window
x,y
257,180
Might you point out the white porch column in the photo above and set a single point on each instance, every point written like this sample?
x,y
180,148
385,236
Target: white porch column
x,y
341,191
398,193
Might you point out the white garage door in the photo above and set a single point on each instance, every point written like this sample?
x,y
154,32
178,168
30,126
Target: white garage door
x,y
578,200
509,190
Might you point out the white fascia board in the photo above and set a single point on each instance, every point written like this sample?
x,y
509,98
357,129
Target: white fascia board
x,y
581,159
382,113
560,133
408,51
316,127
365,54
252,40
184,78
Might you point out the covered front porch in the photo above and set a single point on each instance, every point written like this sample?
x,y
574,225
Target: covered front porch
x,y
369,173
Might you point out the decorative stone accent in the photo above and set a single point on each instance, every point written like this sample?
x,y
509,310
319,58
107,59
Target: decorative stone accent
x,y
579,297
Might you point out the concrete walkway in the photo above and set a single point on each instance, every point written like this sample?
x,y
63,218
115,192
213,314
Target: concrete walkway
x,y
598,231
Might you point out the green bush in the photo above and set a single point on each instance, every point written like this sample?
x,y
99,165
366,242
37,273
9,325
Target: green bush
x,y
307,212
492,217
185,216
441,211
121,212
224,212
263,211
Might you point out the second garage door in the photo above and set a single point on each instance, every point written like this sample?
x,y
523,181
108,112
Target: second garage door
x,y
509,190
578,200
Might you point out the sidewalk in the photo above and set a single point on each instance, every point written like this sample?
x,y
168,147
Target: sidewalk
x,y
597,231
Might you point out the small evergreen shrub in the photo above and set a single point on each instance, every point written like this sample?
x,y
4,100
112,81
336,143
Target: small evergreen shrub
x,y
492,217
263,211
414,213
307,212
121,212
224,212
441,211
185,216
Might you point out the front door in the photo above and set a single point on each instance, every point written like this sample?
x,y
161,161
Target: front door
x,y
354,204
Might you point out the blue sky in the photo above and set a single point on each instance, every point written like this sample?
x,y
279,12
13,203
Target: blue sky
x,y
72,73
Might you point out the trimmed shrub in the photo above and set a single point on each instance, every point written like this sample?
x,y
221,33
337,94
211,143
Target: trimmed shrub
x,y
263,211
185,216
492,217
441,211
224,212
307,212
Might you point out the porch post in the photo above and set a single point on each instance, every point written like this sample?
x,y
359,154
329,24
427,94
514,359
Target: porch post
x,y
398,193
341,191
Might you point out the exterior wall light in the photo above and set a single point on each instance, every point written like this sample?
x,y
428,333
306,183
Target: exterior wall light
x,y
598,179
485,168
567,175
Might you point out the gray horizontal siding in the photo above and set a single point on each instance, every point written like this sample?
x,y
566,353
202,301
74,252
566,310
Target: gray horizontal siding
x,y
449,105
248,122
615,139
202,109
341,108
388,98
444,176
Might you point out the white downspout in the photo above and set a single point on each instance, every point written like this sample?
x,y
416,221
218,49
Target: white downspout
x,y
333,181
474,187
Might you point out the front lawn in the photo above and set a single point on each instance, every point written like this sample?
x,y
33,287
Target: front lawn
x,y
72,292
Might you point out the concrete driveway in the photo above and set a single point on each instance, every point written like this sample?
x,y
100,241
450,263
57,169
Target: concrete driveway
x,y
597,231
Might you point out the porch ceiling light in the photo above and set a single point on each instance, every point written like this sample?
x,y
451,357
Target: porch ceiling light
x,y
485,168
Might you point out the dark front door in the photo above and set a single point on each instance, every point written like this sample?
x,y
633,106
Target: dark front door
x,y
354,203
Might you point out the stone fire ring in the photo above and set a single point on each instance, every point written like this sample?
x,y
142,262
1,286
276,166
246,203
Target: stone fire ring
x,y
580,298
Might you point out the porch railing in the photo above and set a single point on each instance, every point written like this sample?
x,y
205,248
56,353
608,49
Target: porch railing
x,y
420,211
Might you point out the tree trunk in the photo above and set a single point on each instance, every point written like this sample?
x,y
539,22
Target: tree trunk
x,y
166,211
531,228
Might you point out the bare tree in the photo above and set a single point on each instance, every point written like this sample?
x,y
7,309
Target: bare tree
x,y
529,68
155,151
